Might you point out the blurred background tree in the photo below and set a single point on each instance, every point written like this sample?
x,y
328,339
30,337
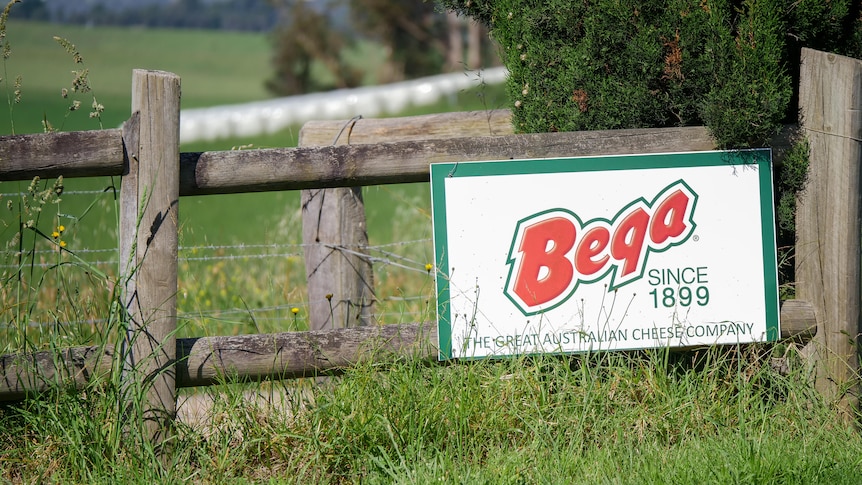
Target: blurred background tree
x,y
411,33
306,35
413,38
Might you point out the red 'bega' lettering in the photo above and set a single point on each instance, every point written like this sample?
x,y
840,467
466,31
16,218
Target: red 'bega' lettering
x,y
668,220
555,251
628,242
592,244
531,286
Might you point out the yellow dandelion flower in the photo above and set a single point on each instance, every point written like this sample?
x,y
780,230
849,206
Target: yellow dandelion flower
x,y
61,228
294,310
62,244
429,267
55,234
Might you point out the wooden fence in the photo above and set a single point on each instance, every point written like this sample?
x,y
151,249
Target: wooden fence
x,y
155,175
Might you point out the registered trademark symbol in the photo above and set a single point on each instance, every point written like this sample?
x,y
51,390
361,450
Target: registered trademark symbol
x,y
696,238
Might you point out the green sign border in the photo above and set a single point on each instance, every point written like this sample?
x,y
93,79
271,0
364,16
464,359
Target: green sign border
x,y
761,158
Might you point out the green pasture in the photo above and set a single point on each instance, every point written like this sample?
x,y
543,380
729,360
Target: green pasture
x,y
216,274
215,67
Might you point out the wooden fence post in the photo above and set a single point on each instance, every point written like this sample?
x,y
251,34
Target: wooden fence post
x,y
829,232
149,198
334,233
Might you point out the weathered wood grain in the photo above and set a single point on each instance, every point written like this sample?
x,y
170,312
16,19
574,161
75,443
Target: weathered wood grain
x,y
474,123
828,224
209,360
798,321
300,354
149,200
424,127
71,154
408,161
29,373
91,153
340,281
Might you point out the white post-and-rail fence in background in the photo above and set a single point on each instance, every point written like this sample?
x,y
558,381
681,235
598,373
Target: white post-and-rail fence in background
x,y
155,175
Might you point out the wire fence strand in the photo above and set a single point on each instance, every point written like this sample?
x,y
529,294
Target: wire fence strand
x,y
390,258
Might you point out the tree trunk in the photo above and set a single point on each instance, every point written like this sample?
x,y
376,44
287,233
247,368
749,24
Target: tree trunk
x,y
455,51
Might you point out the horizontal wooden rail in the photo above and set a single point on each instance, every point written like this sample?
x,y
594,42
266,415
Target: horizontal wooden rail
x,y
208,360
70,154
407,161
228,172
467,123
94,153
422,127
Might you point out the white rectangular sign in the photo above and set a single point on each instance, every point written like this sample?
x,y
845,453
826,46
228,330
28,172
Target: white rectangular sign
x,y
604,253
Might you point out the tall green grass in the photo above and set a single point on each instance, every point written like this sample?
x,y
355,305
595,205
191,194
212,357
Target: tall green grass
x,y
718,416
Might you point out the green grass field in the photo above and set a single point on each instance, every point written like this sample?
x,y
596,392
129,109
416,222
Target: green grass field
x,y
215,68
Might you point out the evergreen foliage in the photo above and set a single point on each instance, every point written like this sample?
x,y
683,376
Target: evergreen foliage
x,y
612,64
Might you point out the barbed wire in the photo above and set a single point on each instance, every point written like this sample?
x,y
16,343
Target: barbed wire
x,y
398,243
389,259
373,259
53,264
230,257
106,190
377,247
54,251
214,247
241,317
218,314
398,257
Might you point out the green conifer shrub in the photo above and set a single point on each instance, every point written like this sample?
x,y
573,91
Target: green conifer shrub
x,y
611,64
